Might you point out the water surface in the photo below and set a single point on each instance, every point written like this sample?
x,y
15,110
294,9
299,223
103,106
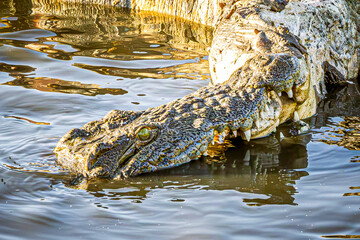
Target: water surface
x,y
63,65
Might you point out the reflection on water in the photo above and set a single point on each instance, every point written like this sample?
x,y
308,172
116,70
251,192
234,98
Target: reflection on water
x,y
30,121
57,85
147,46
343,132
260,168
15,68
178,71
304,187
347,134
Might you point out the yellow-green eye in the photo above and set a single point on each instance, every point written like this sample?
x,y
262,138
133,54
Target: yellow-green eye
x,y
143,134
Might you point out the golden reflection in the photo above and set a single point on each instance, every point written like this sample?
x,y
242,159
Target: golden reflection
x,y
46,84
342,236
108,32
352,194
99,31
46,171
29,120
4,24
4,67
56,85
342,102
187,70
49,49
184,34
346,134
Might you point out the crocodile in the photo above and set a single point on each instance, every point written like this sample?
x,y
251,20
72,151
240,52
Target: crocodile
x,y
270,62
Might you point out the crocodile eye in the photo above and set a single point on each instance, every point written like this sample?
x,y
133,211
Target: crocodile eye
x,y
143,134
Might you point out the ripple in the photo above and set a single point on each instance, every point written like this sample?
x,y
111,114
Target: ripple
x,y
27,35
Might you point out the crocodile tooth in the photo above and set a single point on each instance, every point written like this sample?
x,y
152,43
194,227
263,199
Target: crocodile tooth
x,y
235,133
213,142
206,153
247,156
279,94
233,165
247,134
223,134
296,116
281,136
290,93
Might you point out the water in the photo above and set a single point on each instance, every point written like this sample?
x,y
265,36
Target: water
x,y
64,65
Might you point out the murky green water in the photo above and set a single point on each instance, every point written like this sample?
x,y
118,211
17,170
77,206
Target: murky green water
x,y
64,65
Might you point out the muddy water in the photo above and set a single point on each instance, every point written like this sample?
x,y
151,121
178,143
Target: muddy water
x,y
64,65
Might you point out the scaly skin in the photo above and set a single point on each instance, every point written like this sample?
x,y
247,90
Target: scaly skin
x,y
248,102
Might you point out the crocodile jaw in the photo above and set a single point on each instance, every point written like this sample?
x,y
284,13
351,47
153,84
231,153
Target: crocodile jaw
x,y
168,150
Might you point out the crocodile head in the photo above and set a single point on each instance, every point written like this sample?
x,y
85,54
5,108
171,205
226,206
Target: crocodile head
x,y
126,143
